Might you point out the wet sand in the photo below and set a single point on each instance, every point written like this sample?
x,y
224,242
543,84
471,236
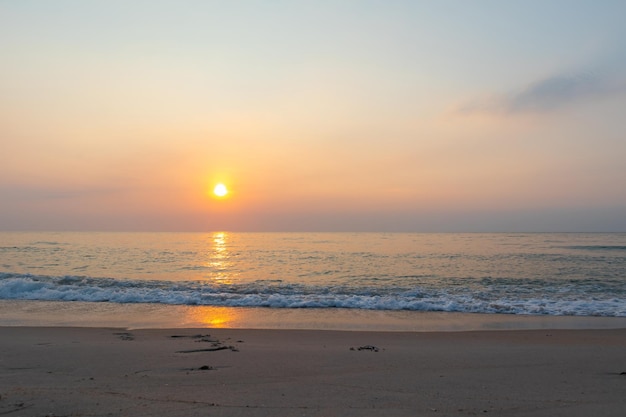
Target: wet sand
x,y
36,313
48,371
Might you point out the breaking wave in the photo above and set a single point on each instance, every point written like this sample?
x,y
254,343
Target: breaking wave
x,y
508,296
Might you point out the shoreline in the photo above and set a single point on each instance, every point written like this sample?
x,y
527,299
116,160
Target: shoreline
x,y
237,372
159,316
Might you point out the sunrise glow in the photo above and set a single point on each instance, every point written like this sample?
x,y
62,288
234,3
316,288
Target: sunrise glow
x,y
244,116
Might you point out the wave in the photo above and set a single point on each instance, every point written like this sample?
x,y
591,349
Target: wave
x,y
598,247
492,298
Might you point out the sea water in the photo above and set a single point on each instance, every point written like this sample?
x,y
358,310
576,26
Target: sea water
x,y
291,276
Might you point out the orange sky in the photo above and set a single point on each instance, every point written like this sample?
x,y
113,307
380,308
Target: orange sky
x,y
399,116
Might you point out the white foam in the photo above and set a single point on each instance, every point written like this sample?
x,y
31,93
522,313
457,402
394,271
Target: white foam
x,y
275,295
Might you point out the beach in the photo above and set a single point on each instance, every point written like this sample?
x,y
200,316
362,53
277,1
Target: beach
x,y
312,208
305,324
90,371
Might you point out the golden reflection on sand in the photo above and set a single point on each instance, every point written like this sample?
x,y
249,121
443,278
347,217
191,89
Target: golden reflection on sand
x,y
218,317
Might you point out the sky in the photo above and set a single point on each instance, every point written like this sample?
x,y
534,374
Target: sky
x,y
344,115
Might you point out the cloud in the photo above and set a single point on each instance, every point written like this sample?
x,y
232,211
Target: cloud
x,y
561,90
551,93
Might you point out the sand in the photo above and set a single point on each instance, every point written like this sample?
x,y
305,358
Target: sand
x,y
46,371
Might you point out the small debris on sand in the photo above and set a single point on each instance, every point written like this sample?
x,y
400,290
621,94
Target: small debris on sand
x,y
195,336
198,337
367,347
215,344
213,349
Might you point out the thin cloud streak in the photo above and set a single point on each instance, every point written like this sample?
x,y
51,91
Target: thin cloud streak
x,y
551,94
45,194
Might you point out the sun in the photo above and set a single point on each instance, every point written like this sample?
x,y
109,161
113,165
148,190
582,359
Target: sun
x,y
220,190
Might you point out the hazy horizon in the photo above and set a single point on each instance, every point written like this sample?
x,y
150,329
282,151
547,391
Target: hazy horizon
x,y
395,116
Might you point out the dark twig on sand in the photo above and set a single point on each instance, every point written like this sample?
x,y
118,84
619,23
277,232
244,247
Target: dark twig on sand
x,y
211,349
367,347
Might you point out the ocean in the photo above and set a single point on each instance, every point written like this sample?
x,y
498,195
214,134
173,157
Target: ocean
x,y
309,279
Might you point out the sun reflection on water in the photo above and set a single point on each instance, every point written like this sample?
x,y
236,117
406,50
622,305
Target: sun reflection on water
x,y
219,259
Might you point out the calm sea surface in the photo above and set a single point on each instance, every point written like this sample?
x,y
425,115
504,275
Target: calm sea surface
x,y
519,274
